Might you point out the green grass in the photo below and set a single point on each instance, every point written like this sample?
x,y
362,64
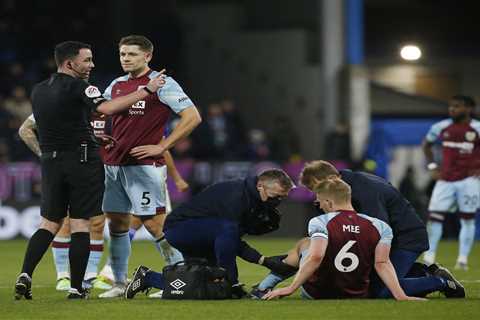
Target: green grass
x,y
49,304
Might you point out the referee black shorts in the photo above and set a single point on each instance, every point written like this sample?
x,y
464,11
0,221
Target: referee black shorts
x,y
70,187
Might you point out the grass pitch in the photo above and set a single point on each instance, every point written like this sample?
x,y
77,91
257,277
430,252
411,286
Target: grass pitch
x,y
50,304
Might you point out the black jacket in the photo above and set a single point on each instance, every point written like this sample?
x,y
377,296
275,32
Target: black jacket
x,y
375,197
234,200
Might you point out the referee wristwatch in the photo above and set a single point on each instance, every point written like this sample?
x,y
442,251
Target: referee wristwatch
x,y
432,166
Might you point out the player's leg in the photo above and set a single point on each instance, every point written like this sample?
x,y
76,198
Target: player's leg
x,y
117,207
273,279
60,249
147,192
97,224
53,211
468,191
79,251
86,185
442,200
37,246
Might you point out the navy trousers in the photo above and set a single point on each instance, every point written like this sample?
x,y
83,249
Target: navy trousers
x,y
402,261
215,239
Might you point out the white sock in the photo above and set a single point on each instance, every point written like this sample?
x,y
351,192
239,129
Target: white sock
x,y
60,249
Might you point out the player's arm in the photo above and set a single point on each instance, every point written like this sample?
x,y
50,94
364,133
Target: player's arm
x,y
387,273
180,183
119,104
189,120
27,134
317,249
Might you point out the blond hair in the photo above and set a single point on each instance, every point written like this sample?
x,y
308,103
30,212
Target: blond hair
x,y
334,189
317,171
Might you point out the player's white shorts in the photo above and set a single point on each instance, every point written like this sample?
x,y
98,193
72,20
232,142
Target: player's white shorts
x,y
139,190
463,195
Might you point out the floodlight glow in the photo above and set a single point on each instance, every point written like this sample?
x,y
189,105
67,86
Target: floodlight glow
x,y
410,53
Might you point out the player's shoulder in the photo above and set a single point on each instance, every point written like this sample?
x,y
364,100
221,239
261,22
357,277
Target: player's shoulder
x,y
475,124
323,219
440,125
119,79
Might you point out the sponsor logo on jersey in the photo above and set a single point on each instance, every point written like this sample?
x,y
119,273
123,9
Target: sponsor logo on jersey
x,y
470,135
92,92
465,147
139,105
98,124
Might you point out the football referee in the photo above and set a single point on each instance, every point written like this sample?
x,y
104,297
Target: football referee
x,y
72,172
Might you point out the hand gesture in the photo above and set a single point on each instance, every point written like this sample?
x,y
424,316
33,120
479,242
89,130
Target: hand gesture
x,y
181,185
156,83
106,141
278,293
147,151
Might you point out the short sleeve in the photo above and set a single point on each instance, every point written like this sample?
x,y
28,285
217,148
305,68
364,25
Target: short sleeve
x,y
107,94
90,95
317,227
31,118
173,96
436,129
386,233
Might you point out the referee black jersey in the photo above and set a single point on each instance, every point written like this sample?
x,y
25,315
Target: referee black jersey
x,y
62,106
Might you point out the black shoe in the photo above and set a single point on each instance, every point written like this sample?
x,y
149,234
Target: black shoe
x,y
431,269
75,294
257,294
238,292
454,288
23,287
138,283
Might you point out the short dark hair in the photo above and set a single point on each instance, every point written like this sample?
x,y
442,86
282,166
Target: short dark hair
x,y
67,50
466,100
137,40
277,175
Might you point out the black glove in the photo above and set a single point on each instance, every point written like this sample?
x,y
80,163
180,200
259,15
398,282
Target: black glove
x,y
276,265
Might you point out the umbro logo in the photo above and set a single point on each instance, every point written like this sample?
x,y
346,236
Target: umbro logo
x,y
177,284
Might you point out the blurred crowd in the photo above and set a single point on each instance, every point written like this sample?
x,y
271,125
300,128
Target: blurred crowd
x,y
224,136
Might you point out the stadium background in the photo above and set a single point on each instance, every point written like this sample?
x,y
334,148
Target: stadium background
x,y
278,83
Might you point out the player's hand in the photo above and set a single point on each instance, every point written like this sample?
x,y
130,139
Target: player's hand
x,y
278,293
435,174
156,83
408,298
107,141
181,185
147,151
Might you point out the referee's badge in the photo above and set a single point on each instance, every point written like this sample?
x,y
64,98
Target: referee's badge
x,y
470,135
92,92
